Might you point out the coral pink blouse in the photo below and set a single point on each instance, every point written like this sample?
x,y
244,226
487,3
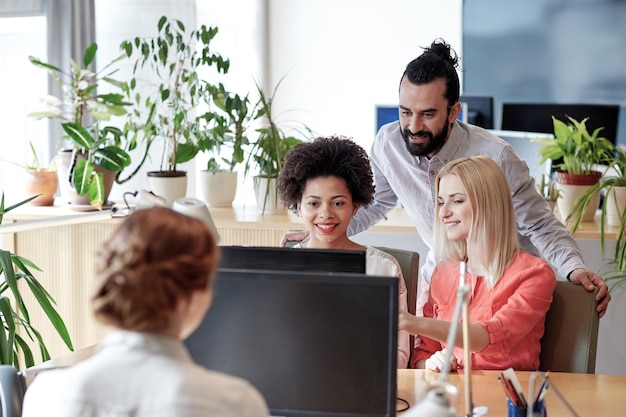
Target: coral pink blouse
x,y
513,312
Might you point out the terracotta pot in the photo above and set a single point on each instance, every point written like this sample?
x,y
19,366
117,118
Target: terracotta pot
x,y
577,179
68,192
44,183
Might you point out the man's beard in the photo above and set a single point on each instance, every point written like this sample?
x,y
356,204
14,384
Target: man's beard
x,y
435,142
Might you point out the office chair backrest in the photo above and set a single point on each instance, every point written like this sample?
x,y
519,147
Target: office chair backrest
x,y
409,263
571,333
12,388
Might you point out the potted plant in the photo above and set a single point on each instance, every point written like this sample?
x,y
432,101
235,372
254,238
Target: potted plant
x,y
170,96
225,145
14,312
548,190
268,151
97,152
578,153
40,180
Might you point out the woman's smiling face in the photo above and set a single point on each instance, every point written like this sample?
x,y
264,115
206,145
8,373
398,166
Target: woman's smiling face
x,y
326,208
455,210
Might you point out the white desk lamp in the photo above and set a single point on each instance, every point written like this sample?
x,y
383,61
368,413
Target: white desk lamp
x,y
437,401
187,205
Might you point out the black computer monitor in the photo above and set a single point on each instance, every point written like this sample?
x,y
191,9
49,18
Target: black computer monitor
x,y
292,259
479,110
313,344
537,117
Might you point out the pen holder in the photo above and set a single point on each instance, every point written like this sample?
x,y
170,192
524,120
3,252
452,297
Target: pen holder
x,y
539,410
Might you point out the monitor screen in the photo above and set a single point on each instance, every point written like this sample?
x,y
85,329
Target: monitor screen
x,y
527,150
479,110
532,117
292,259
313,344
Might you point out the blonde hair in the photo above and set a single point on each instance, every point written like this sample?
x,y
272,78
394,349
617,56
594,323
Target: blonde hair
x,y
153,260
492,241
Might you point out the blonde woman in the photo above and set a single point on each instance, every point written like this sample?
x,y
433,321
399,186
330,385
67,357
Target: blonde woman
x,y
155,275
511,290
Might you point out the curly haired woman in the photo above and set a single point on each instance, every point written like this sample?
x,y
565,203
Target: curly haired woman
x,y
325,181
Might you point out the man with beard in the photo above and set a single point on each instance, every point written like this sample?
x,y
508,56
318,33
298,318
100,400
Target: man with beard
x,y
407,155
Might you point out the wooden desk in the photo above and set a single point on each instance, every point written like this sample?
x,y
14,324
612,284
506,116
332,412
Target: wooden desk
x,y
588,394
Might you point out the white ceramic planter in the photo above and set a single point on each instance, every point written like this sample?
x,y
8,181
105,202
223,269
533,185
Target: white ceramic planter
x,y
218,189
171,188
266,195
615,204
568,195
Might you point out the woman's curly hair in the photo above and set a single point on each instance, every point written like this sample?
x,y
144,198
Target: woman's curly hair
x,y
153,260
334,156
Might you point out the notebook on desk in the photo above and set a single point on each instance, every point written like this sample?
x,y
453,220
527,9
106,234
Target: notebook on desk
x,y
311,343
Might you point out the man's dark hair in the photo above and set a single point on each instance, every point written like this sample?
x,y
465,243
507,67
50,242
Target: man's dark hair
x,y
437,61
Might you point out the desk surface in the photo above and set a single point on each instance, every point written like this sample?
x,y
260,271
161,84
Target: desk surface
x,y
588,394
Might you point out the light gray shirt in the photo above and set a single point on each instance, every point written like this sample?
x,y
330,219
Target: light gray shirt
x,y
140,375
400,176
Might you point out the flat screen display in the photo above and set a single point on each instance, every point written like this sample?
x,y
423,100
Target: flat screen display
x,y
292,259
528,150
537,117
313,344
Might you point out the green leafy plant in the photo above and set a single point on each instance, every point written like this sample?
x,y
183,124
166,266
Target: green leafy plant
x,y
226,131
274,140
547,189
14,312
578,149
615,176
173,103
84,114
267,153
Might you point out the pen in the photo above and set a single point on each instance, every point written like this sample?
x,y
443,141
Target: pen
x,y
510,392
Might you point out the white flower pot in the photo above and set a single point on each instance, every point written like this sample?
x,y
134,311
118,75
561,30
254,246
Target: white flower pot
x,y
568,195
266,194
218,189
169,185
615,204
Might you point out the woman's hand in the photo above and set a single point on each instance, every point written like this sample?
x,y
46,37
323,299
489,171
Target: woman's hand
x,y
296,237
436,362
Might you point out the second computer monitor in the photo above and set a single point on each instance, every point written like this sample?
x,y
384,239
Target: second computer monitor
x,y
292,259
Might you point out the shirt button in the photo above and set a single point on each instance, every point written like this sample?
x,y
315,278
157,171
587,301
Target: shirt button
x,y
432,173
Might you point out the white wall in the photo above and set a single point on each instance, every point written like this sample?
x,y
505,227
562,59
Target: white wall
x,y
341,58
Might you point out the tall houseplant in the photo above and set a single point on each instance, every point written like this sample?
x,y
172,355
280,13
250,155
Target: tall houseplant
x,y
14,313
95,146
171,99
224,144
577,154
268,151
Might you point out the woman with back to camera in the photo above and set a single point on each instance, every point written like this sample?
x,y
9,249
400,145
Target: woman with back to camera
x,y
511,290
325,182
155,275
